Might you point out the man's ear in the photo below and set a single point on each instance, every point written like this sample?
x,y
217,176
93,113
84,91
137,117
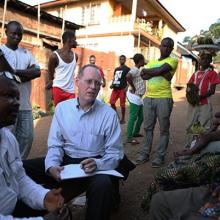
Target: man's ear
x,y
77,81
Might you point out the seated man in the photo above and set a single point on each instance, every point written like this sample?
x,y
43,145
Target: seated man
x,y
207,142
19,195
86,131
198,203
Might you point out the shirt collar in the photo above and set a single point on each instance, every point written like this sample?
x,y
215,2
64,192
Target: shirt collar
x,y
90,109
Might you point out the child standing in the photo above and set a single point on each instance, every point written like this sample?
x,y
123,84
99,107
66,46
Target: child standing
x,y
205,79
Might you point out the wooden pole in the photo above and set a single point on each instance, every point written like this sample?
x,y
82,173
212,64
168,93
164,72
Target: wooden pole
x,y
38,21
149,46
3,18
139,36
63,24
134,11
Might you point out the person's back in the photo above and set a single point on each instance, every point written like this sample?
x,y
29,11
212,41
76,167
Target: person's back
x,y
135,92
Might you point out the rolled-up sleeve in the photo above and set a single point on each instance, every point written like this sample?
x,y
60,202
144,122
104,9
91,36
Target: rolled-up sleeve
x,y
113,146
55,144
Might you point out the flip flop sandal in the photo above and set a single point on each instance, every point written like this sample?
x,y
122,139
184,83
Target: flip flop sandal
x,y
133,142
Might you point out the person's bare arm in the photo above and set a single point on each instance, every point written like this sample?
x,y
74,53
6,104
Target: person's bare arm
x,y
201,143
163,70
103,82
76,55
130,82
30,73
52,64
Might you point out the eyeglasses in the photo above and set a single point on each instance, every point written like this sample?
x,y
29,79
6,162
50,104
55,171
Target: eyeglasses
x,y
11,76
90,82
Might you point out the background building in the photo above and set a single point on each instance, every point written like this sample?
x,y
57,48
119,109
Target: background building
x,y
123,27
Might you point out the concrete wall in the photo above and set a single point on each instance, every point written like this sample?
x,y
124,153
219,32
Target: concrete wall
x,y
123,44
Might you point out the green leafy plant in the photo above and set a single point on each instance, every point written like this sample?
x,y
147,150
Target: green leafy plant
x,y
197,128
51,108
37,112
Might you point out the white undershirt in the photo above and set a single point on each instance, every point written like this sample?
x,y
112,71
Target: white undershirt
x,y
64,74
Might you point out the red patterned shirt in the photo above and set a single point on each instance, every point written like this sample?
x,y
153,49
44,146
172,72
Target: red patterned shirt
x,y
203,80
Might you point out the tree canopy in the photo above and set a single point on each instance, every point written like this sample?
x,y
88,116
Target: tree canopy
x,y
206,37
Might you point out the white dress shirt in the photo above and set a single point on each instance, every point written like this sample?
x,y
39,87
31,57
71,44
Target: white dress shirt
x,y
14,183
81,134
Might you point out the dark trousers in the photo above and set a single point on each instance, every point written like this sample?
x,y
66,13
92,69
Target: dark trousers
x,y
24,211
100,189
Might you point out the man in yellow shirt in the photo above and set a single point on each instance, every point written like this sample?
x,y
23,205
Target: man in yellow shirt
x,y
158,102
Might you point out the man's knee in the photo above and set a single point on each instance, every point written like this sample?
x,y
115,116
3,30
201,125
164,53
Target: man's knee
x,y
101,183
165,132
35,169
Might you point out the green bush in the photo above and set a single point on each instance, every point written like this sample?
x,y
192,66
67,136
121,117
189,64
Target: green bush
x,y
37,112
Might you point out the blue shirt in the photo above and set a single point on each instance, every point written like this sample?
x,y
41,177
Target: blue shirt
x,y
81,134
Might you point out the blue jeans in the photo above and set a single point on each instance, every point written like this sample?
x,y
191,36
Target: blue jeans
x,y
24,132
154,108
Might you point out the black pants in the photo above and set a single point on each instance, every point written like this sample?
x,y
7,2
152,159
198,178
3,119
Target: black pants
x,y
101,190
22,210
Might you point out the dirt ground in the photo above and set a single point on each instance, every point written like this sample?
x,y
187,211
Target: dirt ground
x,y
139,179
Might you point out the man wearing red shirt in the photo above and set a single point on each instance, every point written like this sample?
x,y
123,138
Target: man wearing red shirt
x,y
92,60
206,80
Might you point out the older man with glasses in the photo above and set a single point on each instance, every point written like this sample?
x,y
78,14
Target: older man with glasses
x,y
84,131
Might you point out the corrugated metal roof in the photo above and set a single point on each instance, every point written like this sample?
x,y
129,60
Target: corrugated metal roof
x,y
17,5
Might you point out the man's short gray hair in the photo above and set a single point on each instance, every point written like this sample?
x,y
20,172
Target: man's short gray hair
x,y
82,70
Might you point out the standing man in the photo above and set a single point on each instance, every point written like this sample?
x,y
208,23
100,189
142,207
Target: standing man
x,y
24,66
92,60
158,103
137,88
61,67
119,85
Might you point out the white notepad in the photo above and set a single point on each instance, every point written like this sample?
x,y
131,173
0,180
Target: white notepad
x,y
75,171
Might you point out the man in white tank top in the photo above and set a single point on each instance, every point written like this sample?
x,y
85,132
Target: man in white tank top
x,y
61,67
